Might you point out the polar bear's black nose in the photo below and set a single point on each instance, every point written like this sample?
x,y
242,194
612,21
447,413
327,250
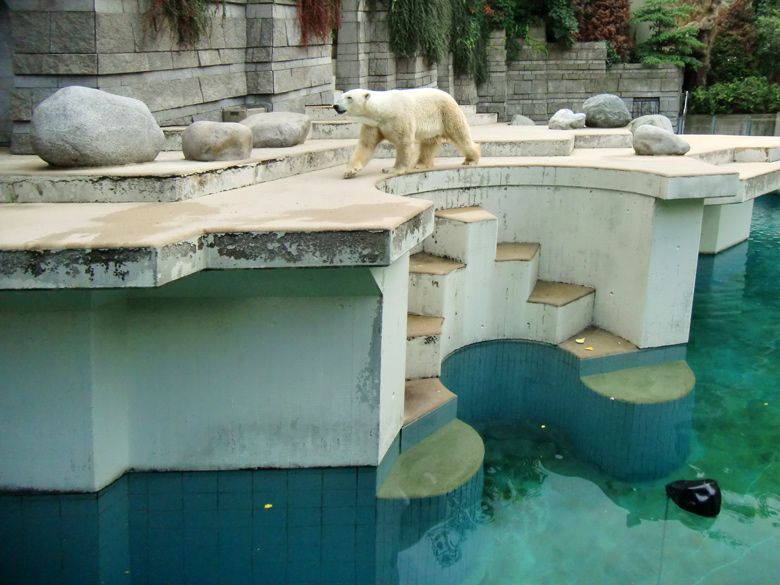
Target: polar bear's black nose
x,y
339,109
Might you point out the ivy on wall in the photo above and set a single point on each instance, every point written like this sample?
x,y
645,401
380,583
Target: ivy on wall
x,y
188,20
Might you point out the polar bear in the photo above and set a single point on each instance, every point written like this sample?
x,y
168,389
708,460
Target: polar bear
x,y
403,116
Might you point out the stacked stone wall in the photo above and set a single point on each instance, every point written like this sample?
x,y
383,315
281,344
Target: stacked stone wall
x,y
251,56
281,73
541,82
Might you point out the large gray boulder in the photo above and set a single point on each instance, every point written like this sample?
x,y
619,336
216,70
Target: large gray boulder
x,y
83,127
653,120
278,129
651,140
520,120
565,119
210,141
606,111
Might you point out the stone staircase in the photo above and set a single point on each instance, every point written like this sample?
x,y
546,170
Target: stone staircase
x,y
465,287
327,124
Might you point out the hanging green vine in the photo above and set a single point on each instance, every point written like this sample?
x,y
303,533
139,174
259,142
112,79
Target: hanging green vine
x,y
434,28
188,20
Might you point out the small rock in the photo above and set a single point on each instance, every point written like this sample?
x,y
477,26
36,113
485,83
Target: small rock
x,y
651,140
606,111
209,141
565,119
278,129
84,127
653,120
520,120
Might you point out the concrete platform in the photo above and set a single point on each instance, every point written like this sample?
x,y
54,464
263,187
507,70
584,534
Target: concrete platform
x,y
170,217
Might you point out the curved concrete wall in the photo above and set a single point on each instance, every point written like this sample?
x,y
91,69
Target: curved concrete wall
x,y
632,236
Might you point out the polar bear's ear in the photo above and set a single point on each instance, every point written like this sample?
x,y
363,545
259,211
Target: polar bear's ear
x,y
367,95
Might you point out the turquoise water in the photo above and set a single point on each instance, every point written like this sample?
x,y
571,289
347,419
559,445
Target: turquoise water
x,y
549,519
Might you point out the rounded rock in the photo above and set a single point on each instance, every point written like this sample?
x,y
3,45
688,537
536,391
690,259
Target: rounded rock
x,y
84,127
565,119
520,120
656,120
651,140
212,141
278,129
606,111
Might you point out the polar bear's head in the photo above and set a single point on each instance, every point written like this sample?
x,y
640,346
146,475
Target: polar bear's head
x,y
353,102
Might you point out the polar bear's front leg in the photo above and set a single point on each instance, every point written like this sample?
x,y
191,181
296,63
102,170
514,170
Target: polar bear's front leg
x,y
402,137
370,136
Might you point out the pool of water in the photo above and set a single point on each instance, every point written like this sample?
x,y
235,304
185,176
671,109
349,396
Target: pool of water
x,y
548,518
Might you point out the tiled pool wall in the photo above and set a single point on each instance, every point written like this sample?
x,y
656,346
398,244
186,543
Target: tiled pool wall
x,y
532,381
269,527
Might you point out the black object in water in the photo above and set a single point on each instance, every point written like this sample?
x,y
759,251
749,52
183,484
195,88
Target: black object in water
x,y
698,496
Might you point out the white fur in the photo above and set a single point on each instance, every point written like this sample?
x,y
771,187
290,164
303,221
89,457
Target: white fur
x,y
403,116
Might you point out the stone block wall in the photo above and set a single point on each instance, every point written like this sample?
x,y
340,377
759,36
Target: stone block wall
x,y
251,56
281,74
110,45
6,74
493,93
539,84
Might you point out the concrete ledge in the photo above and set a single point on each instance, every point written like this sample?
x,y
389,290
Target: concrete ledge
x,y
264,226
28,179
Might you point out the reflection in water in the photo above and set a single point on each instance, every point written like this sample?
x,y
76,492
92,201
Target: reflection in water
x,y
558,521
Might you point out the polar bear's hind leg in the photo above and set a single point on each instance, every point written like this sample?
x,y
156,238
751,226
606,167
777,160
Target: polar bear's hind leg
x,y
460,136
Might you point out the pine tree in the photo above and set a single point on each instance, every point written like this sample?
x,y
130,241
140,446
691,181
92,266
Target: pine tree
x,y
668,42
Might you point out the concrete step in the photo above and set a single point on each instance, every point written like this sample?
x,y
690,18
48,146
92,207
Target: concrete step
x,y
327,124
515,272
555,311
423,346
464,234
333,130
320,113
428,406
172,136
481,119
433,284
468,109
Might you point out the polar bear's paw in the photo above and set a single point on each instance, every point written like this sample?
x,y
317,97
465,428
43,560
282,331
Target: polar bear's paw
x,y
350,172
393,171
470,163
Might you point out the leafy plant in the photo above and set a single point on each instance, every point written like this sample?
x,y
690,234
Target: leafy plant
x,y
188,20
768,39
420,25
470,32
753,95
318,19
732,55
668,43
606,20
